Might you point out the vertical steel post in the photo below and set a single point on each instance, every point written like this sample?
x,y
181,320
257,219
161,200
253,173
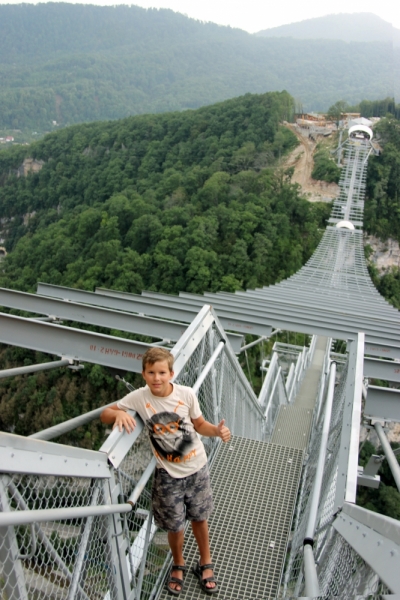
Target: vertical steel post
x,y
120,573
145,549
73,590
316,490
390,455
13,572
310,573
346,484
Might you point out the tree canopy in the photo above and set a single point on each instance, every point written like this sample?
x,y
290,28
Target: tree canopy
x,y
382,211
182,201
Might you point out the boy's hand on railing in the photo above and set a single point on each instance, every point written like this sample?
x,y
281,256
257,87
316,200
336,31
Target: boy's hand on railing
x,y
223,431
124,420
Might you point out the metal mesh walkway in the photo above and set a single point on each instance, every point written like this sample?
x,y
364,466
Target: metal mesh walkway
x,y
293,424
292,427
250,526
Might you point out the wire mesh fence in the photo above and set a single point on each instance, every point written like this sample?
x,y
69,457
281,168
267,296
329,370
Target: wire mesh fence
x,y
344,574
225,393
294,571
55,559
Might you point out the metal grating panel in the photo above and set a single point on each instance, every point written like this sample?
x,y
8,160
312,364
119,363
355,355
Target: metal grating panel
x,y
292,428
308,391
250,526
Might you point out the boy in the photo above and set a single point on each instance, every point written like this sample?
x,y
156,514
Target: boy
x,y
181,487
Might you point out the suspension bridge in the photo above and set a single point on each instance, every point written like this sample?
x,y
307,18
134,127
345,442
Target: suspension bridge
x,y
76,523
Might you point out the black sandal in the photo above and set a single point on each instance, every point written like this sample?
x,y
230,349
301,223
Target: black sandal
x,y
198,571
171,579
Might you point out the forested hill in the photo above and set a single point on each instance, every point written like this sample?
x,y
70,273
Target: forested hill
x,y
181,201
76,63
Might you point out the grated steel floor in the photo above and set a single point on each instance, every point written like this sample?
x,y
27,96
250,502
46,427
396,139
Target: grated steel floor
x,y
292,427
308,391
255,487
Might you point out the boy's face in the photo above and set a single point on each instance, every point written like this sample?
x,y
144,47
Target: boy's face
x,y
158,376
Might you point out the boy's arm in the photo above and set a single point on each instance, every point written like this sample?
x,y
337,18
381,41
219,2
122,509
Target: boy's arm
x,y
207,429
118,417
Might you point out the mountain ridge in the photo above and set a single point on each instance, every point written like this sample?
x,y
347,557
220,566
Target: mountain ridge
x,y
62,64
354,27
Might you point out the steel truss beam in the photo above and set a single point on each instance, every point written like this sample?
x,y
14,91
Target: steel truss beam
x,y
74,344
19,454
326,296
103,317
138,304
383,350
294,318
282,307
382,404
93,315
387,370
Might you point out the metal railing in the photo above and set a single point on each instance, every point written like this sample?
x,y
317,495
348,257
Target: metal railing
x,y
326,558
273,392
78,524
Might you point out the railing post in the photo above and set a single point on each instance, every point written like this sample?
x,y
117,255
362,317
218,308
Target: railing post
x,y
346,485
119,545
13,572
310,573
145,548
390,455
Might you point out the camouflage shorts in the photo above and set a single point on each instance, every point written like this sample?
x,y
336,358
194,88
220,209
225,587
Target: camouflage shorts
x,y
175,500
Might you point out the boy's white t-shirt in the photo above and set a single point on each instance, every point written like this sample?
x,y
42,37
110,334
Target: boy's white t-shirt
x,y
175,443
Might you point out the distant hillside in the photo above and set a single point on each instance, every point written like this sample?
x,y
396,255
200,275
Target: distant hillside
x,y
182,201
62,64
139,203
357,27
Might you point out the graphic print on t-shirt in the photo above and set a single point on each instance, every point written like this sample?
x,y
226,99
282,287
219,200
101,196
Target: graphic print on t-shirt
x,y
172,438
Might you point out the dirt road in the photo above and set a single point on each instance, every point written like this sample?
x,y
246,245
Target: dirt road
x,y
301,158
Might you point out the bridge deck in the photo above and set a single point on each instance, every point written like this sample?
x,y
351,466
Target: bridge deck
x,y
250,526
293,424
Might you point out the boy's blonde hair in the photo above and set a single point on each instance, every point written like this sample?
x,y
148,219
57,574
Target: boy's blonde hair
x,y
153,355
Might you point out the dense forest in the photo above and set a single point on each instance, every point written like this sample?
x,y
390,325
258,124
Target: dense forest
x,y
181,201
382,209
367,108
62,64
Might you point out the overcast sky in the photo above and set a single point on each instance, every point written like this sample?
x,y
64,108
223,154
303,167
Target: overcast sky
x,y
255,15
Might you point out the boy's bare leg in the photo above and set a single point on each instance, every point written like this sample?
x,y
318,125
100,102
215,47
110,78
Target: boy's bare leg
x,y
200,532
175,540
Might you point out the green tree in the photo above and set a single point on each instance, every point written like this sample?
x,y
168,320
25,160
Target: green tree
x,y
336,111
